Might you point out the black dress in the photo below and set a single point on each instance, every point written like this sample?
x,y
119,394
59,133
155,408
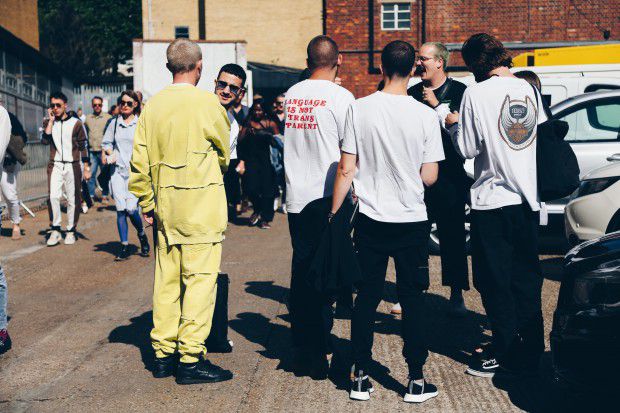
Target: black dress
x,y
258,181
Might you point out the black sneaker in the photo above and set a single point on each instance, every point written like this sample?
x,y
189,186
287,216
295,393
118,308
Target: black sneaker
x,y
5,341
361,387
483,368
201,372
164,367
123,254
254,218
145,248
417,393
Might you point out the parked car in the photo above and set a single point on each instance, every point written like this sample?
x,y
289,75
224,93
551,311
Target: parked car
x,y
594,209
585,337
593,133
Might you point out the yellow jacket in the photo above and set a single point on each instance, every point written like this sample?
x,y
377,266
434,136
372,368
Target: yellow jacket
x,y
181,148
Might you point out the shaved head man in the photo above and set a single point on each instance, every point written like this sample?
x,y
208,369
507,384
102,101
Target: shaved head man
x,y
315,111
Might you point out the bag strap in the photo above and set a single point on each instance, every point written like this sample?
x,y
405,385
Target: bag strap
x,y
445,90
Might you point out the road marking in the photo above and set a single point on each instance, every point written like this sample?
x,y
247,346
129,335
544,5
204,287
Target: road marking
x,y
22,252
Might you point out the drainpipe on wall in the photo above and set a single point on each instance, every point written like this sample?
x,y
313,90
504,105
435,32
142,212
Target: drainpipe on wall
x,y
423,21
372,70
202,29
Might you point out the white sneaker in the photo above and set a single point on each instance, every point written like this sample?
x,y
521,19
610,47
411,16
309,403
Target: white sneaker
x,y
70,238
54,239
84,208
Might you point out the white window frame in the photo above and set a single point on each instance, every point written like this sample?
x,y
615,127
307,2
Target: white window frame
x,y
397,9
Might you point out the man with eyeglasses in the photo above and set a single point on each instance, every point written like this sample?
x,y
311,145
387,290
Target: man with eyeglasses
x,y
95,126
446,199
67,139
229,86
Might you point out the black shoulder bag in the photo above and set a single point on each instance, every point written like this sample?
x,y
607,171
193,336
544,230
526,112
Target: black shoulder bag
x,y
556,163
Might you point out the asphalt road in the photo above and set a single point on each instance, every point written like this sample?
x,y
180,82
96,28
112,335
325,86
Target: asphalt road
x,y
80,324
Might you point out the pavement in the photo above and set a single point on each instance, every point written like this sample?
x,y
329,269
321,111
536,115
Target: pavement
x,y
80,323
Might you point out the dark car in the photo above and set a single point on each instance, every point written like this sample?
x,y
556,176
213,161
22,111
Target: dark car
x,y
585,339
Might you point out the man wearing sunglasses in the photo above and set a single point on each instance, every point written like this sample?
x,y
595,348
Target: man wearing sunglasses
x,y
67,139
95,126
446,199
229,87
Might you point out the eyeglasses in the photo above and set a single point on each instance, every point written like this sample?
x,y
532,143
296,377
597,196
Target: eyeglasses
x,y
97,105
128,103
279,103
234,89
424,58
55,105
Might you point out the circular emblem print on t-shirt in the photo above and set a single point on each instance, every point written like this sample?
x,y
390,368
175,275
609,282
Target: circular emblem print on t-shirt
x,y
517,122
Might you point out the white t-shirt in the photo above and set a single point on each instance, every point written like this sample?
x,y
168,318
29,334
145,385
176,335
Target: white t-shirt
x,y
392,136
315,114
234,136
497,127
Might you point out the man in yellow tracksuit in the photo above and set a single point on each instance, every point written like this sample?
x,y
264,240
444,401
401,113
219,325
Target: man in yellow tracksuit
x,y
181,149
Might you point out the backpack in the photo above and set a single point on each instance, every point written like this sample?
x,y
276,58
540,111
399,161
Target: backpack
x,y
556,163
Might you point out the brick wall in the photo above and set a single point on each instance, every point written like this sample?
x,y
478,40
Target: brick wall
x,y
452,21
21,18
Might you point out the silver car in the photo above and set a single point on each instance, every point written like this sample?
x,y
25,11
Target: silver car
x,y
594,134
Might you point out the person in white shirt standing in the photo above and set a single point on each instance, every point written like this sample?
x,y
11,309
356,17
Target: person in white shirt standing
x,y
395,143
497,127
315,113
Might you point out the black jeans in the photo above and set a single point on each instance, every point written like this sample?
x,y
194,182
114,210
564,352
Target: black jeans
x,y
232,185
507,275
407,243
445,202
311,312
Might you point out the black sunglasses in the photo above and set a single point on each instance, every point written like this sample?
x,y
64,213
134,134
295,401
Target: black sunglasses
x,y
234,89
127,103
55,105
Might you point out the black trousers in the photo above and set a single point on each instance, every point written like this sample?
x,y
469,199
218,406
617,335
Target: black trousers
x,y
506,272
232,184
263,206
407,244
311,312
446,206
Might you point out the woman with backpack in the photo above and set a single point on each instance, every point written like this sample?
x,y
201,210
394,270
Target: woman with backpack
x,y
117,146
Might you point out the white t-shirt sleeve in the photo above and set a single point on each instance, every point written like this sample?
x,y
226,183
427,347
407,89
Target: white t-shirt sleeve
x,y
340,113
467,140
349,141
5,132
433,147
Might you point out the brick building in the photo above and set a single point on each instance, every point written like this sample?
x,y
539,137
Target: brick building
x,y
521,24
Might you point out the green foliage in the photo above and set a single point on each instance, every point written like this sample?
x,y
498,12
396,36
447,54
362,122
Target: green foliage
x,y
89,37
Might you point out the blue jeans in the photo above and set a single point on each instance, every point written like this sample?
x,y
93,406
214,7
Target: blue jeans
x,y
95,165
3,300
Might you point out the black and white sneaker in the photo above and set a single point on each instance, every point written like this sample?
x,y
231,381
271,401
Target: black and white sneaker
x,y
419,393
361,387
483,368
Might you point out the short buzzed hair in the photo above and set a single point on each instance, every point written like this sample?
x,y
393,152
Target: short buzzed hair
x,y
183,55
441,52
397,59
322,53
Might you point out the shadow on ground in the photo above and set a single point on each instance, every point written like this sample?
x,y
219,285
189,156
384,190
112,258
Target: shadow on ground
x,y
137,334
113,247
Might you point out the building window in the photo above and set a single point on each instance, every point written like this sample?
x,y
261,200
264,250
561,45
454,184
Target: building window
x,y
181,31
396,16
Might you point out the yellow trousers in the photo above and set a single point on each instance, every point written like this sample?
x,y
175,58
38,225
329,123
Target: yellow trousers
x,y
184,298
